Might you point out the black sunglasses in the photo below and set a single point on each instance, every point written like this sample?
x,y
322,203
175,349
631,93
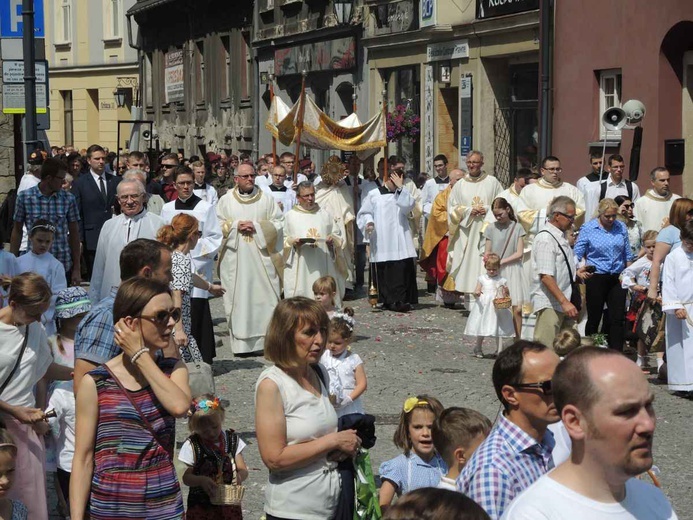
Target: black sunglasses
x,y
161,318
544,386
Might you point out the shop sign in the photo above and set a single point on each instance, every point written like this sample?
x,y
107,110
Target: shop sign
x,y
491,8
174,77
428,13
447,51
339,54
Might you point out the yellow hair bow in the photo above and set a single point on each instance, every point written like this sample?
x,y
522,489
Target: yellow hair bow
x,y
413,402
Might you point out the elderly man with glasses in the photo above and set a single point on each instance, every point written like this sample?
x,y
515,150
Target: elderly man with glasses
x,y
133,222
518,450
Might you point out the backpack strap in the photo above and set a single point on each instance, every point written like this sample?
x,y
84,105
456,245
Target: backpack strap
x,y
629,187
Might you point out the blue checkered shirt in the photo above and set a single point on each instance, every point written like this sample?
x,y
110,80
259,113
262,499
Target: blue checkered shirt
x,y
60,209
504,465
94,338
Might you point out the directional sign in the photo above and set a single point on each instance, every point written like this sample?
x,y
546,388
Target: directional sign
x,y
11,24
13,71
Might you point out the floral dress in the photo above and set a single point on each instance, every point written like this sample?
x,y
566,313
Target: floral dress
x,y
181,270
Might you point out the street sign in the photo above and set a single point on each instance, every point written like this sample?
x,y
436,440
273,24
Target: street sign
x,y
11,25
13,71
13,99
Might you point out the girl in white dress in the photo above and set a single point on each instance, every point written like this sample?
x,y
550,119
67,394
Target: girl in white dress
x,y
348,379
484,319
505,237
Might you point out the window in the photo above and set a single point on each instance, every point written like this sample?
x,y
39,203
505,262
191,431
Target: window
x,y
63,22
67,116
609,96
112,20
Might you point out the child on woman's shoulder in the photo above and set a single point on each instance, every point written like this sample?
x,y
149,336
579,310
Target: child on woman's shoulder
x,y
420,465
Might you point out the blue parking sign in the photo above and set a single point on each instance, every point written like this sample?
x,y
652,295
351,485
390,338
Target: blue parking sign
x,y
11,24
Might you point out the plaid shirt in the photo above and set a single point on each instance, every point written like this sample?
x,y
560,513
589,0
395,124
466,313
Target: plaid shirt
x,y
94,337
60,209
505,464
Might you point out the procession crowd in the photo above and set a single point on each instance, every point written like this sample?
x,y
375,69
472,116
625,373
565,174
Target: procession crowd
x,y
93,380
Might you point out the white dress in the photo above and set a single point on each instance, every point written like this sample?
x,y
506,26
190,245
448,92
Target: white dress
x,y
341,370
512,272
484,319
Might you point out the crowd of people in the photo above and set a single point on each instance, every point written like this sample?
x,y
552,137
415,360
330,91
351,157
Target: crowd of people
x,y
540,260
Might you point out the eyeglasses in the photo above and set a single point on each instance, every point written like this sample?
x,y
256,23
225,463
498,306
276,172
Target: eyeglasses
x,y
628,206
168,165
161,318
125,198
557,170
544,386
569,217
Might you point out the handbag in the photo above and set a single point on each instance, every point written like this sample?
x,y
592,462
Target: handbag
x,y
16,363
575,296
200,378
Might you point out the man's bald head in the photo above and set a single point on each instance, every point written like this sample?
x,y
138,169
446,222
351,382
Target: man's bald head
x,y
245,169
455,175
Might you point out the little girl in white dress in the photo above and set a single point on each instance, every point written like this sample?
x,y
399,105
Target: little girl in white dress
x,y
484,319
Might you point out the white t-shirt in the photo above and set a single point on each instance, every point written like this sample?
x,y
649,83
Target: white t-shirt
x,y
447,483
63,425
187,456
546,499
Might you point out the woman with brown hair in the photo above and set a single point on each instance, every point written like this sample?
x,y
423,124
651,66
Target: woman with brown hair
x,y
182,235
27,362
126,411
295,422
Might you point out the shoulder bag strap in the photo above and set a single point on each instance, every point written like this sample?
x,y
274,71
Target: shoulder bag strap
x,y
510,236
629,187
602,193
16,363
565,257
146,422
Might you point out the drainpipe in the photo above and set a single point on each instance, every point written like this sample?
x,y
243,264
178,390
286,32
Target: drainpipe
x,y
545,45
138,111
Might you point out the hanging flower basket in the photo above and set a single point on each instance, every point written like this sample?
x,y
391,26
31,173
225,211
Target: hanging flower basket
x,y
403,123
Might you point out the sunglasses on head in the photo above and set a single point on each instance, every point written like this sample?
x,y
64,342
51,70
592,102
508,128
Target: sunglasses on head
x,y
162,317
544,386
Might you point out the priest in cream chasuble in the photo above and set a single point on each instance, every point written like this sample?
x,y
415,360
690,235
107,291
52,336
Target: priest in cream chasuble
x,y
249,261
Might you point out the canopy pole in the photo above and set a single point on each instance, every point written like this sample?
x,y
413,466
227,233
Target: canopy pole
x,y
274,139
386,173
353,102
301,113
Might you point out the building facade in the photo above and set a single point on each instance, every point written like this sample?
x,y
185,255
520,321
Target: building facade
x,y
90,59
470,71
644,51
322,38
198,74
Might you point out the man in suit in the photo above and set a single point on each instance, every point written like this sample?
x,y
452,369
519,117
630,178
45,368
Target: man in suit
x,y
95,193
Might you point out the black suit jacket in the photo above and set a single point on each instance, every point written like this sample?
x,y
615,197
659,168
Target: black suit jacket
x,y
93,211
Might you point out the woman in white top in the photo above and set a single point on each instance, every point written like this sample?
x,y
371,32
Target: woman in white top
x,y
295,422
25,360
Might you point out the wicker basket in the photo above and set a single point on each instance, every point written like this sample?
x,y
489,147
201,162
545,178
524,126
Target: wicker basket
x,y
227,495
502,303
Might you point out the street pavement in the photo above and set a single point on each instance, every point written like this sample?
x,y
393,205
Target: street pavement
x,y
423,351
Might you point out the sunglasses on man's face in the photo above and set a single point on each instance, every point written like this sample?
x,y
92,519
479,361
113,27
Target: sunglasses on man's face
x,y
544,386
161,318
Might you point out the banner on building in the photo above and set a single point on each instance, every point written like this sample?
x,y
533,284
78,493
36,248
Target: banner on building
x,y
322,133
338,54
491,8
174,77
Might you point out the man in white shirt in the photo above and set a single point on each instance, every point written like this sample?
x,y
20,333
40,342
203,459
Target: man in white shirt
x,y
596,160
605,403
512,194
284,195
652,209
435,185
202,188
610,188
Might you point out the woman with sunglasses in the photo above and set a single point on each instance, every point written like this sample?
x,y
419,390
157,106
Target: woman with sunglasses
x,y
126,411
26,363
634,228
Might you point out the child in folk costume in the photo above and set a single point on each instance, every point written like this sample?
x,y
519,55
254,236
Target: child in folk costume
x,y
203,452
677,302
484,319
636,278
507,236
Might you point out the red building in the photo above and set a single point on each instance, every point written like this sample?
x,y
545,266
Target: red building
x,y
609,51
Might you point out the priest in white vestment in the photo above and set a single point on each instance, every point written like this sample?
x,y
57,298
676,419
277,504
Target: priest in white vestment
x,y
383,219
134,222
652,209
677,302
310,241
336,198
250,262
469,212
203,255
284,195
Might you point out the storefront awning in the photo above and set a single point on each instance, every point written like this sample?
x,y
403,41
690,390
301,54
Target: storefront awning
x,y
146,5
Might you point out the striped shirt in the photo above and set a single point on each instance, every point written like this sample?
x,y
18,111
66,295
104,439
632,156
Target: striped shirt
x,y
504,465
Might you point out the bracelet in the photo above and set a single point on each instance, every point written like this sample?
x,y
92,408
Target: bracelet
x,y
137,354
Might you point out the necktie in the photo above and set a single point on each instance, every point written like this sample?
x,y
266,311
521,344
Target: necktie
x,y
102,187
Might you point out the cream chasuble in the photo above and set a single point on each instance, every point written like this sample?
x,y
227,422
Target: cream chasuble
x,y
250,266
537,198
466,245
306,263
652,211
338,201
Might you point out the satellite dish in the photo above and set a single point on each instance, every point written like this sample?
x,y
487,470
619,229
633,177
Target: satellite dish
x,y
635,111
614,118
